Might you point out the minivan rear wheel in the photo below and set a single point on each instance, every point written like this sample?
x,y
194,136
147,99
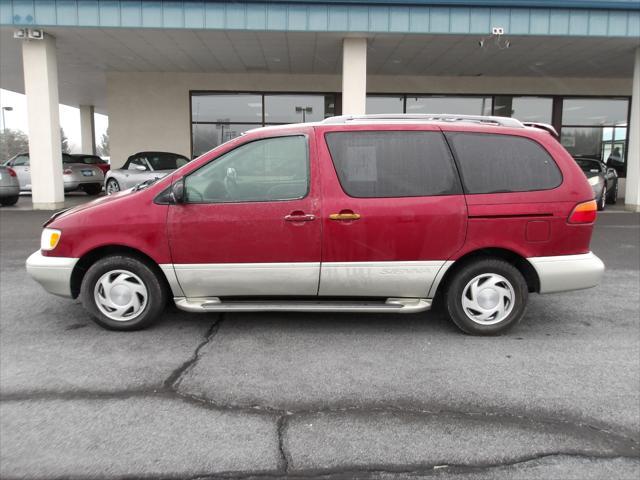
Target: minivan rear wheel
x,y
487,297
122,293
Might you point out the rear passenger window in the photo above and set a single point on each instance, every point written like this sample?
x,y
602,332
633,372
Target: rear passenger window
x,y
393,163
491,163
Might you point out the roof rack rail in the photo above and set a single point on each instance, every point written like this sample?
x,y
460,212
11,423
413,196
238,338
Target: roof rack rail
x,y
428,117
543,126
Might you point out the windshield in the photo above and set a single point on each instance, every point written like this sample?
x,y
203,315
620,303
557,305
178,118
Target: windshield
x,y
588,165
66,158
166,161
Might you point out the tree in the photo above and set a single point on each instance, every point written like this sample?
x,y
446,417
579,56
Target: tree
x,y
12,142
64,142
102,148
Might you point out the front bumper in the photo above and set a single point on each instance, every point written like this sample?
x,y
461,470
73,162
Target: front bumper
x,y
53,273
568,272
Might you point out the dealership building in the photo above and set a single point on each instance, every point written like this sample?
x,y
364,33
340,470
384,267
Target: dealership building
x,y
185,76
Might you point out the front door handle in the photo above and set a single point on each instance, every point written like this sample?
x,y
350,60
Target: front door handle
x,y
344,216
299,217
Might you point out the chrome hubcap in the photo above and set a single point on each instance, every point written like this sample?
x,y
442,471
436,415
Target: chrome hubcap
x,y
112,187
488,299
120,295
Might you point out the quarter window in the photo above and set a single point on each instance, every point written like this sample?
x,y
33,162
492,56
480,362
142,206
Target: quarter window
x,y
492,163
393,163
264,170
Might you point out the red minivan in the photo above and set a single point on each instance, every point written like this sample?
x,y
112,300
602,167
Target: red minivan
x,y
352,214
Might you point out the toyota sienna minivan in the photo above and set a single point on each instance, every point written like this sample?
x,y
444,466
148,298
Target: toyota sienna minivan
x,y
351,214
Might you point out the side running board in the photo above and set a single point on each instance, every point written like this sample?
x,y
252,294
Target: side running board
x,y
391,305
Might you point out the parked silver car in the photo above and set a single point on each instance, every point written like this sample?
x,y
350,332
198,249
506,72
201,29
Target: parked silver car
x,y
9,186
141,167
76,176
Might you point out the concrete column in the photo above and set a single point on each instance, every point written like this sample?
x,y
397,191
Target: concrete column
x,y
354,76
632,187
41,89
87,130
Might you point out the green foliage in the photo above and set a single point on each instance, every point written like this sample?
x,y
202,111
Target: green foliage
x,y
12,142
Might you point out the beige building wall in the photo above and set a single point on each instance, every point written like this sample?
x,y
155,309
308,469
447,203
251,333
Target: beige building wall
x,y
151,111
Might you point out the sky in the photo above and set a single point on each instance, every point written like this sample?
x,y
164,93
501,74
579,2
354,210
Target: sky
x,y
69,118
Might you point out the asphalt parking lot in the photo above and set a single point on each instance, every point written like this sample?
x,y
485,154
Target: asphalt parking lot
x,y
336,396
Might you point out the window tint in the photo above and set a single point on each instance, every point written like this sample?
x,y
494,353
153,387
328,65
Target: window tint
x,y
503,163
393,163
260,171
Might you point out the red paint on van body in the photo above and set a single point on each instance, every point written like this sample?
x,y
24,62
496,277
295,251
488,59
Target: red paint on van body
x,y
390,229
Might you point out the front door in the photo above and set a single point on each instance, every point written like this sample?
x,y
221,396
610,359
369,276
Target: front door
x,y
393,211
250,223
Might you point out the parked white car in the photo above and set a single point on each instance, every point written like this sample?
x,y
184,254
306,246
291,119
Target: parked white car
x,y
76,176
141,167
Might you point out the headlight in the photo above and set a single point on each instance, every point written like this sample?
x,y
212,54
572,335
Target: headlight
x,y
50,238
593,181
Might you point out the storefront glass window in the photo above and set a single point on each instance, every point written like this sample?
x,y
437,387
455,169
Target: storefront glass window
x,y
226,108
594,111
596,128
219,117
526,109
207,136
297,108
382,104
445,104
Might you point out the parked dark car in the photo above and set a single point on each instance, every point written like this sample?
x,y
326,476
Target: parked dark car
x,y
603,180
92,160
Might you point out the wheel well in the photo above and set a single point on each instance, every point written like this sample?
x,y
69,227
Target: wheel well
x,y
93,256
526,269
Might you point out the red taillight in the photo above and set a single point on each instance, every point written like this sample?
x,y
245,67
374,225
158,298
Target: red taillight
x,y
12,172
67,171
584,213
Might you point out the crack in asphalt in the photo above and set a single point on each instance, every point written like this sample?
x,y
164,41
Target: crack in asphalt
x,y
625,447
372,471
173,380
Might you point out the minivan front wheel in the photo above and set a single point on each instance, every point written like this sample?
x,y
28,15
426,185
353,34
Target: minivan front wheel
x,y
487,297
122,293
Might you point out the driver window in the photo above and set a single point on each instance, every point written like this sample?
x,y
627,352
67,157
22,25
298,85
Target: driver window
x,y
264,170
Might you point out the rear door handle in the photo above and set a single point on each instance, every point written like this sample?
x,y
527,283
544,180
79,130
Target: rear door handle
x,y
299,217
344,216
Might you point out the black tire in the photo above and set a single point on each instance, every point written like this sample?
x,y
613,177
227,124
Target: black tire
x,y
7,201
156,293
112,186
613,196
466,274
93,189
602,201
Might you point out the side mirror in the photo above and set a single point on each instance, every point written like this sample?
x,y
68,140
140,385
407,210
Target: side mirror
x,y
142,168
177,191
611,171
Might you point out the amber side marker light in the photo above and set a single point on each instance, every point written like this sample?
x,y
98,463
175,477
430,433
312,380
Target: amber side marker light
x,y
585,212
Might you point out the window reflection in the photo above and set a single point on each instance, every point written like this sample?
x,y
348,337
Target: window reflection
x,y
446,104
238,108
297,108
594,111
526,109
381,104
208,136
